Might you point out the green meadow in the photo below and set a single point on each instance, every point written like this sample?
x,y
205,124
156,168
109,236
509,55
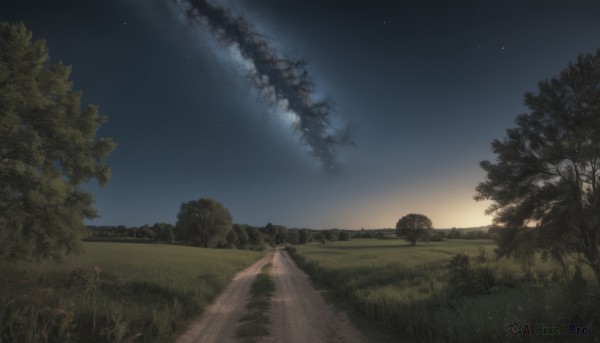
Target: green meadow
x,y
114,292
450,291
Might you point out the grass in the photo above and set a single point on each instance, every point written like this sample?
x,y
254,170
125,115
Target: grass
x,y
412,292
116,292
255,323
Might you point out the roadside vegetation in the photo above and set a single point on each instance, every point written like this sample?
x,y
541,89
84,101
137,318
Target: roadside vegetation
x,y
114,292
449,291
255,323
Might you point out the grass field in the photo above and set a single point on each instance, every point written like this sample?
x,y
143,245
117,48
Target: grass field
x,y
114,292
399,292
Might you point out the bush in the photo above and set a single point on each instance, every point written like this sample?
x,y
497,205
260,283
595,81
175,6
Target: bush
x,y
469,279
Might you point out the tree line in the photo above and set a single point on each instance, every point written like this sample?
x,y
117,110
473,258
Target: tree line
x,y
207,223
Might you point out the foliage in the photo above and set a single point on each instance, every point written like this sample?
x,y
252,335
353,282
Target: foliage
x,y
454,234
545,181
204,222
294,236
344,236
48,149
467,278
304,236
413,227
164,232
242,239
276,234
254,236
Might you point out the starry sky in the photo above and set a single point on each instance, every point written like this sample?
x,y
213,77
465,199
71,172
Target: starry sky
x,y
425,85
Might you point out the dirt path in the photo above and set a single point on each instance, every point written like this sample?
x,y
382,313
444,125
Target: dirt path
x,y
218,322
299,314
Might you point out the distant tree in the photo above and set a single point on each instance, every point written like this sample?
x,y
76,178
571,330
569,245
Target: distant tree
x,y
164,232
330,235
344,236
270,230
281,235
545,181
413,227
436,236
255,237
204,222
294,236
364,234
145,232
121,231
454,233
242,236
304,236
319,237
132,232
232,238
48,150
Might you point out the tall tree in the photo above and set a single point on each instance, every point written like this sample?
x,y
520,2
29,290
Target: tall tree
x,y
255,237
48,149
293,236
204,222
545,182
304,236
242,236
413,226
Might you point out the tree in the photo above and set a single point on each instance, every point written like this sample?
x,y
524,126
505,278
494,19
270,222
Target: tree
x,y
454,233
232,238
294,236
413,226
48,149
330,235
164,232
270,230
204,222
304,236
242,236
282,235
545,181
344,236
255,237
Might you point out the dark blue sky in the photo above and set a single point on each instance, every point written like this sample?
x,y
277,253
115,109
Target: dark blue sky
x,y
426,86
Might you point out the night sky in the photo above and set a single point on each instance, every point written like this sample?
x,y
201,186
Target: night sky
x,y
425,86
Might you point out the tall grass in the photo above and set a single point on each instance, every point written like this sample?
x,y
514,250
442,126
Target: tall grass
x,y
427,294
115,292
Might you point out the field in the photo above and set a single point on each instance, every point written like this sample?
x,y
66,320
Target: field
x,y
114,292
426,294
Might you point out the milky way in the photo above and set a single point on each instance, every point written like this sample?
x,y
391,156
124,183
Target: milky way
x,y
282,82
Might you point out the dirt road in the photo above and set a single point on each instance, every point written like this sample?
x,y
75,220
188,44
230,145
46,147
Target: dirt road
x,y
299,314
218,322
